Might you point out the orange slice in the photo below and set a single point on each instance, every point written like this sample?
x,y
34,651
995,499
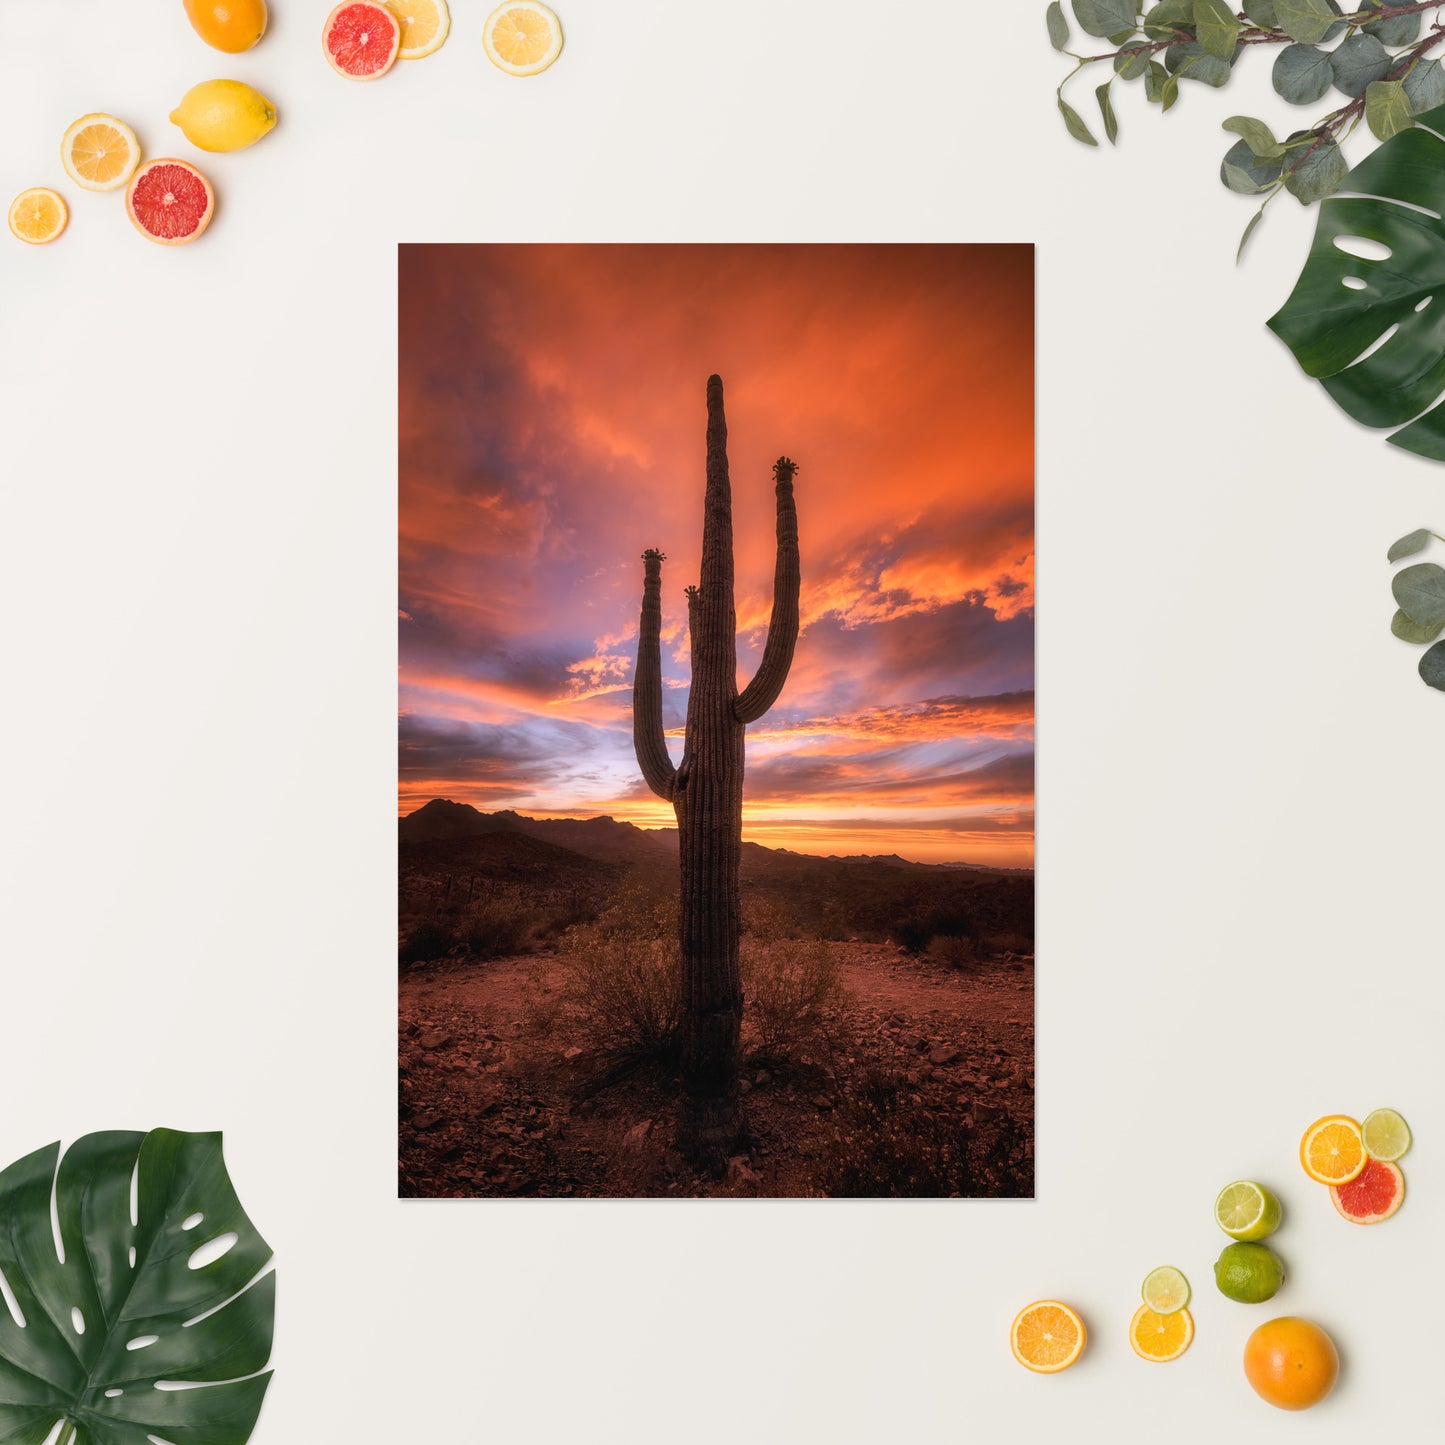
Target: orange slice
x,y
425,25
100,152
1160,1337
37,215
522,37
1047,1336
1332,1150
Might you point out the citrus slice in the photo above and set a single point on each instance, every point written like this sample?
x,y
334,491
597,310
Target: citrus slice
x,y
1332,1150
1165,1290
425,25
1246,1210
1160,1337
1375,1193
1047,1336
361,39
170,202
37,215
1386,1135
522,37
100,152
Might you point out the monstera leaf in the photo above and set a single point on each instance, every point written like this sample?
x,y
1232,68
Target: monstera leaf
x,y
132,1329
1343,303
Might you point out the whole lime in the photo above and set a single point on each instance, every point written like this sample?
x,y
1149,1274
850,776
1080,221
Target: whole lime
x,y
1248,1273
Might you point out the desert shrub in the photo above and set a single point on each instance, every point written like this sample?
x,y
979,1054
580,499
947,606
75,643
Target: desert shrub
x,y
427,940
496,927
884,1145
958,954
788,985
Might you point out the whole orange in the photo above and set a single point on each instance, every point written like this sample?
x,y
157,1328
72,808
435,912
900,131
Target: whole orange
x,y
229,25
1291,1363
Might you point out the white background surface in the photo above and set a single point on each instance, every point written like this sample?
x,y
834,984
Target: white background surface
x,y
1240,772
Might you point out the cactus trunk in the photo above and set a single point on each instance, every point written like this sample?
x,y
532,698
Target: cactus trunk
x,y
706,790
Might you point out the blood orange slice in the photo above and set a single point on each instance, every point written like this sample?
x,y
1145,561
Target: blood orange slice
x,y
361,39
170,201
1375,1193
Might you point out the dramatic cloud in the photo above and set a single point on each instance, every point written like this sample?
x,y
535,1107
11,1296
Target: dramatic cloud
x,y
551,428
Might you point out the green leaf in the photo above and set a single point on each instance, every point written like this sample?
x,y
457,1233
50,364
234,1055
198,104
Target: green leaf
x,y
1307,21
1256,135
1216,28
1424,85
1075,122
1105,17
1254,220
1398,30
1154,81
1432,666
1106,109
1164,19
1169,91
1410,543
1261,12
1189,62
1242,171
1387,108
1058,26
130,1282
1318,172
1408,631
1302,74
1420,593
1131,64
1356,62
1328,325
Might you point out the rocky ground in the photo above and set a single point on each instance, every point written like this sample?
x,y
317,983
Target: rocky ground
x,y
486,1110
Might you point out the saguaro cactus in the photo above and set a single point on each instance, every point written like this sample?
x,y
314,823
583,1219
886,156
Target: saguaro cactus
x,y
706,789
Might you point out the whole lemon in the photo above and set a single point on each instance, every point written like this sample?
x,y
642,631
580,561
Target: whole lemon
x,y
1291,1362
229,25
224,115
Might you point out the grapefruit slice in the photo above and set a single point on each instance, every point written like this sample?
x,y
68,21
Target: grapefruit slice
x,y
37,215
99,152
169,202
1332,1150
361,39
1375,1193
1046,1336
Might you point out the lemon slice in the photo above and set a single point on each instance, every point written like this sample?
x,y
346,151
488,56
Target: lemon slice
x,y
37,215
1165,1290
425,25
1246,1210
522,37
100,152
1386,1135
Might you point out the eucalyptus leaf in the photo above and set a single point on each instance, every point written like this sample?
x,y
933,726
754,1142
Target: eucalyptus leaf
x,y
207,1327
1169,91
1318,171
1242,171
1261,12
1131,64
1105,17
1420,593
1387,109
1256,135
1432,666
1154,81
1161,22
1308,21
1216,28
1106,110
1075,123
1328,325
1408,631
1398,30
1254,220
1410,543
1302,74
1190,62
1356,61
1058,25
1424,86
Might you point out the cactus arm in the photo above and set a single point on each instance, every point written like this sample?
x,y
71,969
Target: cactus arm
x,y
715,645
648,740
762,692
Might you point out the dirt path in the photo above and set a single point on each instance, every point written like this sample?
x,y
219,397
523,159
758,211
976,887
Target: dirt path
x,y
486,1111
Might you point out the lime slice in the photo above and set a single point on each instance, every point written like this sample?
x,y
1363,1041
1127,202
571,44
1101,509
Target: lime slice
x,y
1386,1135
1246,1210
1165,1290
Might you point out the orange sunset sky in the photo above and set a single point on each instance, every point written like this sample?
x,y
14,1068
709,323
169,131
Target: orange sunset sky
x,y
551,427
